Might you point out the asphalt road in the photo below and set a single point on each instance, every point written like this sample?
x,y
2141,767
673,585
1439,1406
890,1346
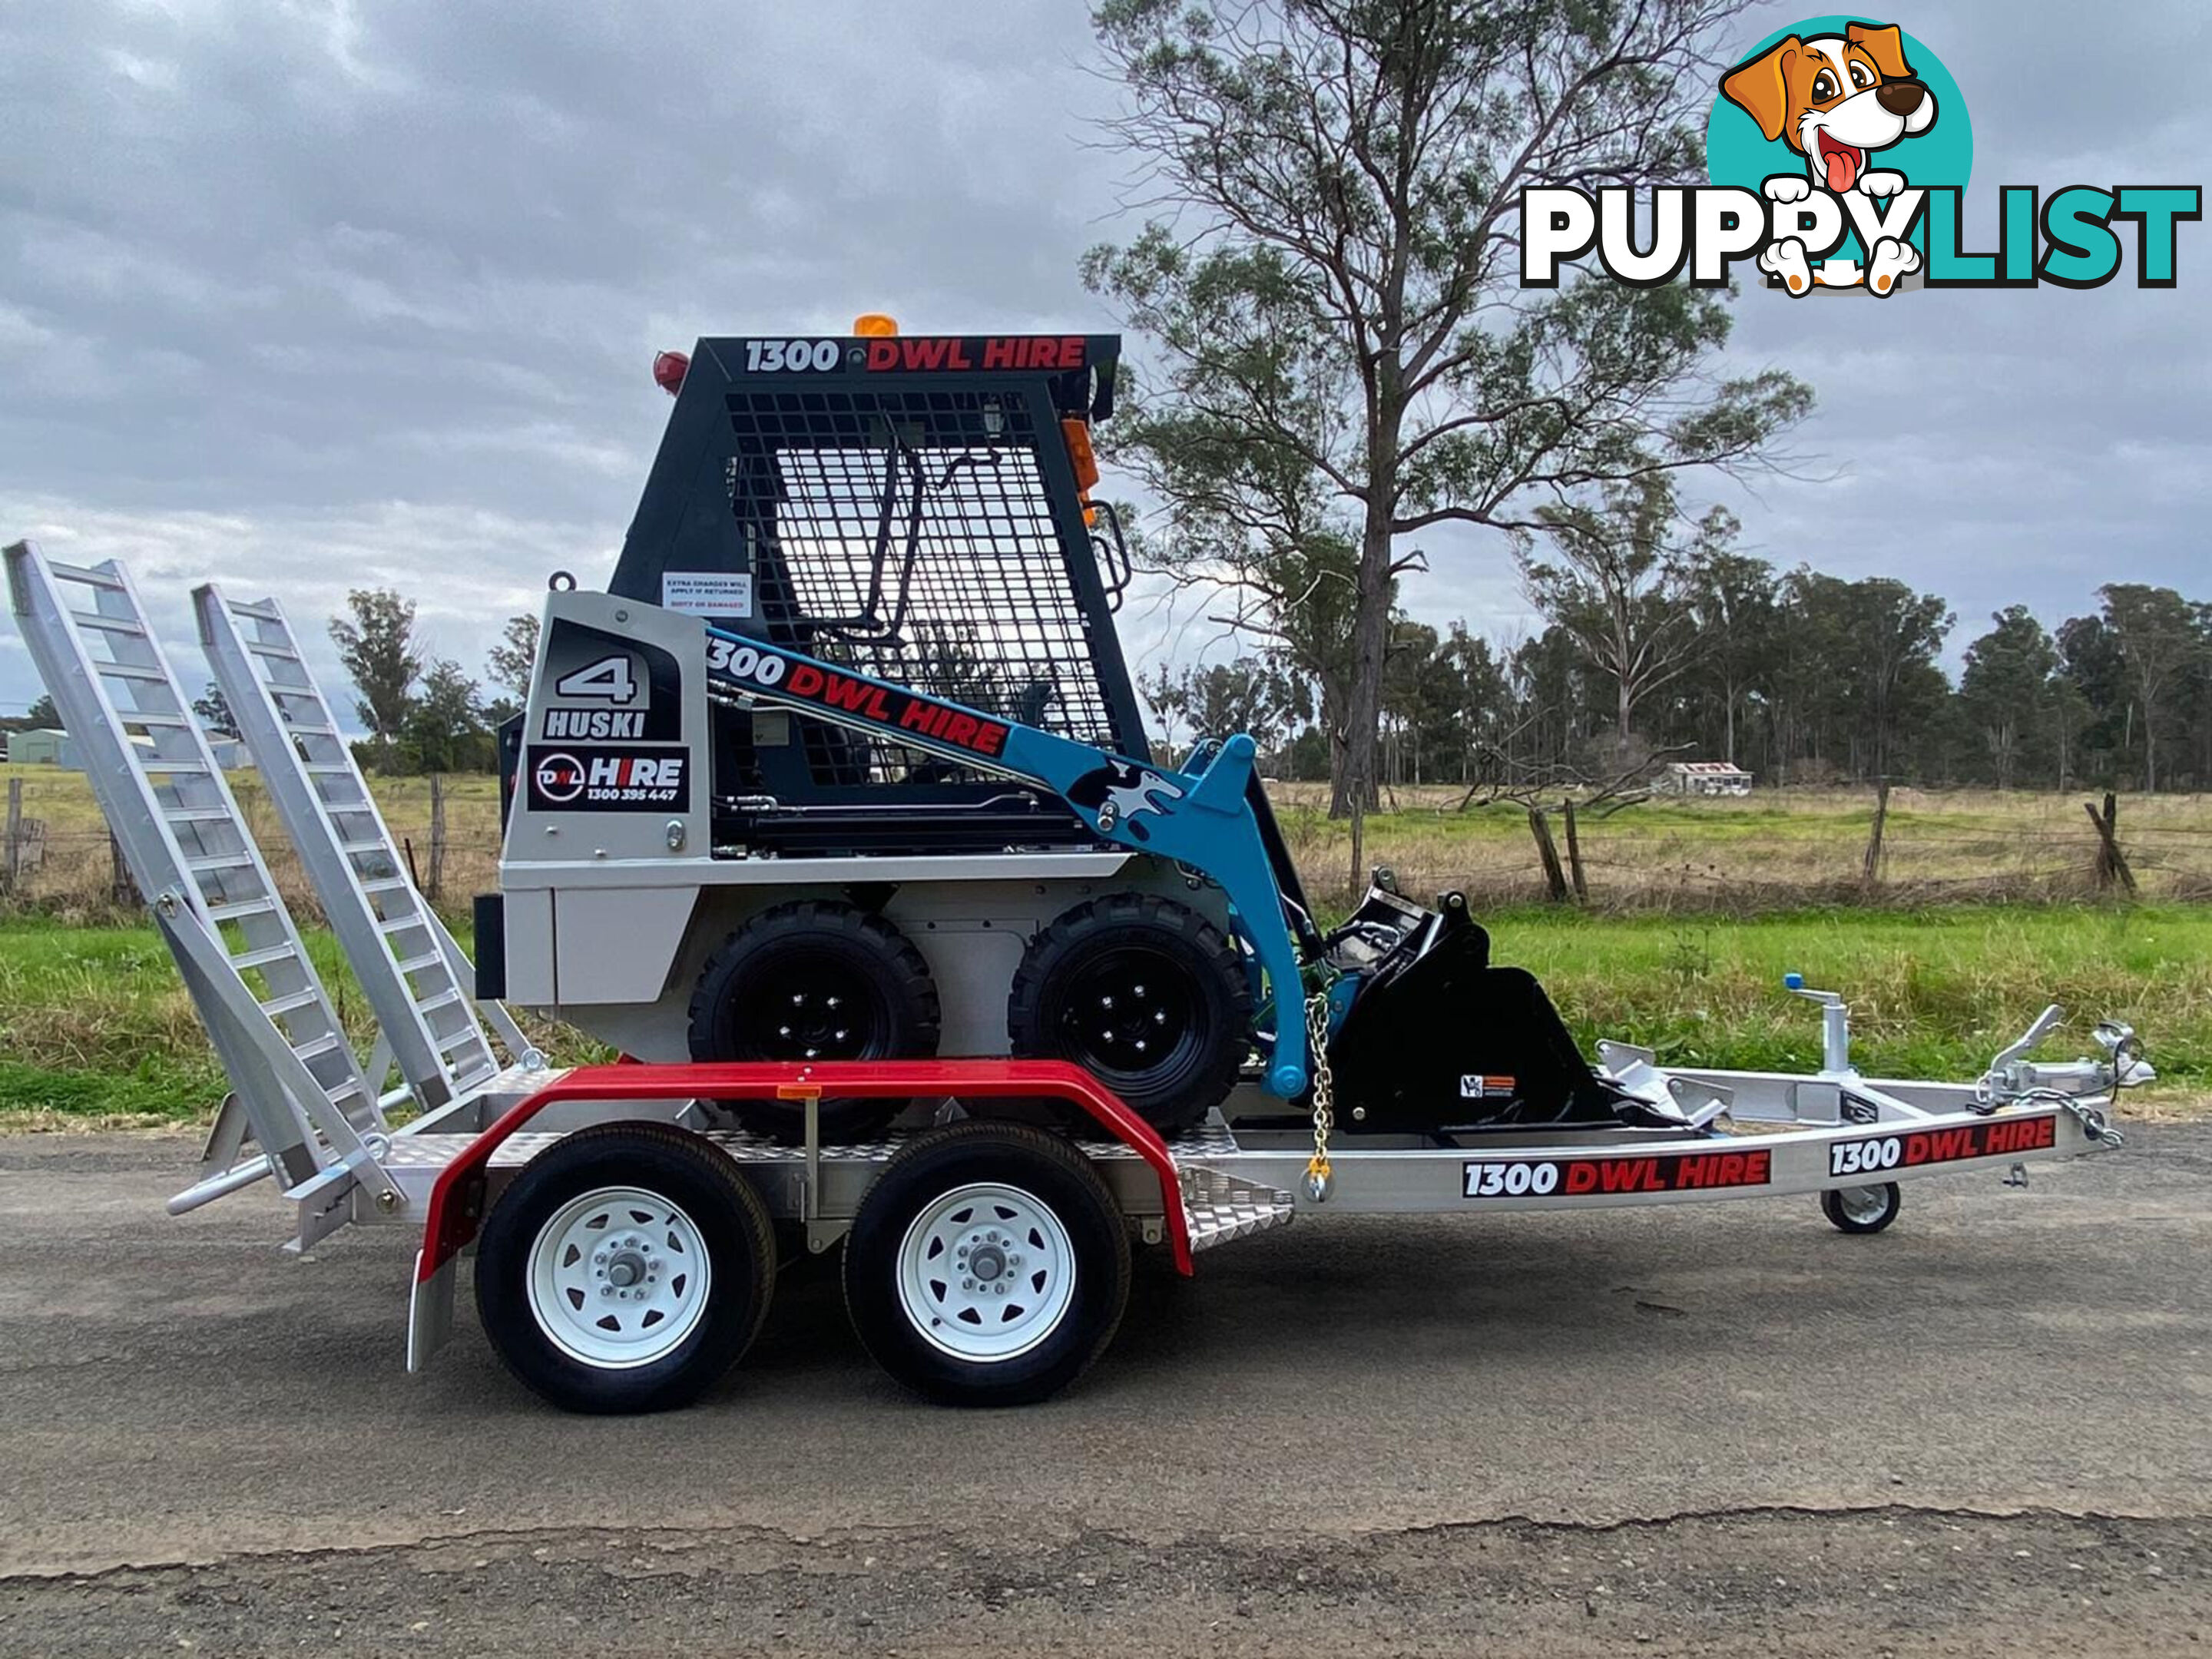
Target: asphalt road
x,y
1728,1429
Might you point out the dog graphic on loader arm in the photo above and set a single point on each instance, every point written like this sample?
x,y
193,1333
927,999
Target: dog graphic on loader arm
x,y
1835,99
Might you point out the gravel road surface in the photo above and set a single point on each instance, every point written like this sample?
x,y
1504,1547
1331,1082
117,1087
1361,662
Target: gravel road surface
x,y
1724,1429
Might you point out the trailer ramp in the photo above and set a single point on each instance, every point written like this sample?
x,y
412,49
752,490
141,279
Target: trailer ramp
x,y
411,969
298,1091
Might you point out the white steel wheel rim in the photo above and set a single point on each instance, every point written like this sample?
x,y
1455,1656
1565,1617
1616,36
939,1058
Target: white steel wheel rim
x,y
1862,1204
619,1277
986,1273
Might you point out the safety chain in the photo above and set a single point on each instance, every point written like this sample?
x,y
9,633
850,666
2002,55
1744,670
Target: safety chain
x,y
2096,1124
1318,1177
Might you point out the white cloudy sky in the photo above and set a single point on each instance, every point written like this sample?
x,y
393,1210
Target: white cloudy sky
x,y
306,294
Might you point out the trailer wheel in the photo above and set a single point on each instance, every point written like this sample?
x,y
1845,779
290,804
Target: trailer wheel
x,y
815,979
1861,1209
1144,993
988,1265
627,1269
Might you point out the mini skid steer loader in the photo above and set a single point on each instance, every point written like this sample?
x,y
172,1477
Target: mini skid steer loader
x,y
845,765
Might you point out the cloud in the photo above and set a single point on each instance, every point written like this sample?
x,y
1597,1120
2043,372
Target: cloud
x,y
307,294
466,570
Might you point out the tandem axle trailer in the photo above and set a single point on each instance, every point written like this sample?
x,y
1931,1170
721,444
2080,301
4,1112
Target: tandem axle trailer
x,y
1850,1142
627,1221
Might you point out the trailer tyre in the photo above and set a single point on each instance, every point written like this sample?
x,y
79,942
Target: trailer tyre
x,y
1861,1209
988,1265
1146,995
627,1269
815,979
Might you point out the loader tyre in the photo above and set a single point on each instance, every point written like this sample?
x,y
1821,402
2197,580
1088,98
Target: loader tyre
x,y
988,1265
627,1269
815,979
1144,993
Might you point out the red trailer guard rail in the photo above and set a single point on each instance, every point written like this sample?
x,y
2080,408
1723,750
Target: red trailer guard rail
x,y
457,1200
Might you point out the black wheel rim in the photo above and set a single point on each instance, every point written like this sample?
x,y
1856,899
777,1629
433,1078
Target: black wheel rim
x,y
1132,1013
807,1008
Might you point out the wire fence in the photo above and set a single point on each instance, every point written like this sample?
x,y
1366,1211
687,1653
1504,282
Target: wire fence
x,y
58,857
1775,850
1772,850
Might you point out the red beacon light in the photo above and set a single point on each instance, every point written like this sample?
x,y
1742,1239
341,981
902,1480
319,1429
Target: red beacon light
x,y
669,369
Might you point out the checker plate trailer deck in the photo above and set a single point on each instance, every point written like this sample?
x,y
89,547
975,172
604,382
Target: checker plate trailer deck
x,y
836,814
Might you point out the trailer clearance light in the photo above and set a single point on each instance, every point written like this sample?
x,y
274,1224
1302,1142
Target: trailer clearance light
x,y
669,369
874,325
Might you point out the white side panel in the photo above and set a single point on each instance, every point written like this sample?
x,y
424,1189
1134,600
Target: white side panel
x,y
615,945
973,963
971,933
530,949
660,690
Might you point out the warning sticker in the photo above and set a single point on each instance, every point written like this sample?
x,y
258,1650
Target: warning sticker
x,y
707,592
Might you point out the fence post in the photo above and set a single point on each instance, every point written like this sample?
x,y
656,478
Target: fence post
x,y
1871,872
121,888
1574,853
1555,879
437,837
2111,863
11,872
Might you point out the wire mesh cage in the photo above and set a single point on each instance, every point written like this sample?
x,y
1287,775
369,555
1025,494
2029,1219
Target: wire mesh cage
x,y
910,535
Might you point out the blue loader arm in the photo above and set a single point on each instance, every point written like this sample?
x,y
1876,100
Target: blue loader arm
x,y
1200,820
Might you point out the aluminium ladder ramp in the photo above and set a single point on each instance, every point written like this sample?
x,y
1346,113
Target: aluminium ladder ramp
x,y
412,971
188,848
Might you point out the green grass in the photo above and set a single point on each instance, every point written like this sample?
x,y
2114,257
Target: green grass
x,y
1933,992
94,1023
94,1027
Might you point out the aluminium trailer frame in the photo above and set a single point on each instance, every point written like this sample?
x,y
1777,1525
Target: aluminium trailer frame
x,y
1789,1136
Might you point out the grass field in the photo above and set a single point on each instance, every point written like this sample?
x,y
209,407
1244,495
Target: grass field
x,y
1773,850
94,1027
1697,909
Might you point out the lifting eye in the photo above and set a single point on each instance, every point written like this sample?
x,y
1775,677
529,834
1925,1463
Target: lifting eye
x,y
1825,87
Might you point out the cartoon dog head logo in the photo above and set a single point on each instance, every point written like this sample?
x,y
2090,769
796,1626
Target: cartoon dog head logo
x,y
1837,99
1121,792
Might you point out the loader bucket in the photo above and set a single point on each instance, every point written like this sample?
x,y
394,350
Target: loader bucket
x,y
1444,1039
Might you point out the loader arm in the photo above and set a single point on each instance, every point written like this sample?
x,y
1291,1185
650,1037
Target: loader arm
x,y
1200,819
